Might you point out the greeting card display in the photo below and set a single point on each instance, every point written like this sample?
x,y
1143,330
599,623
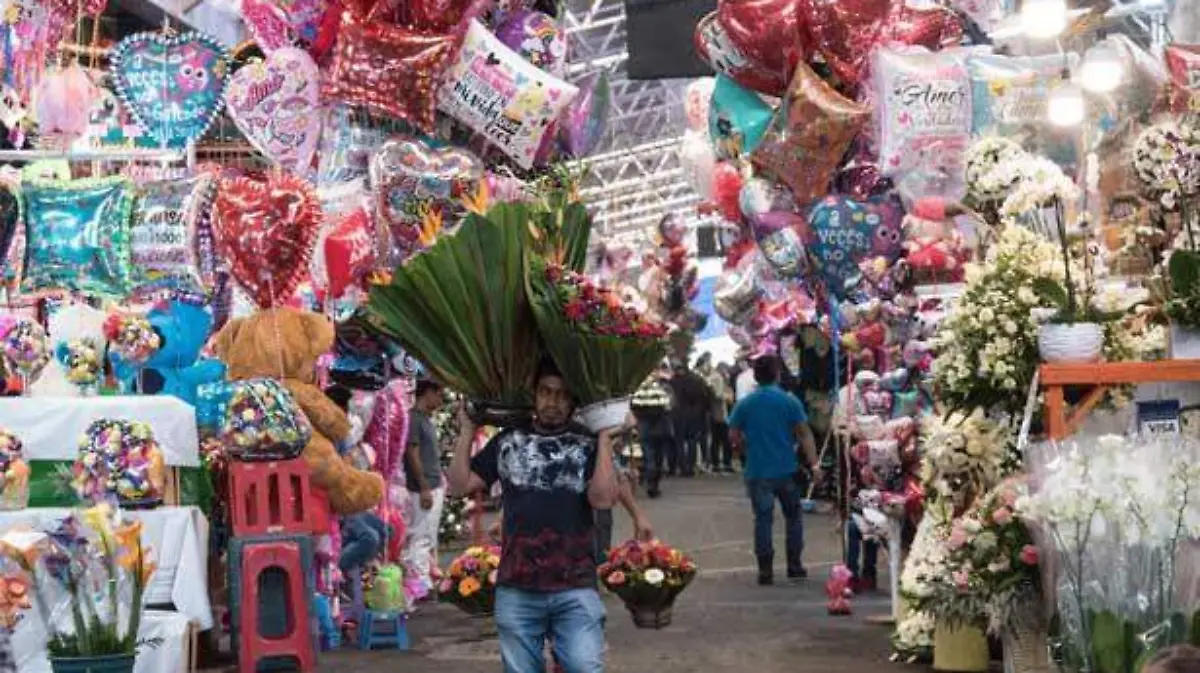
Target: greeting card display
x,y
500,95
924,112
173,86
163,234
275,105
78,235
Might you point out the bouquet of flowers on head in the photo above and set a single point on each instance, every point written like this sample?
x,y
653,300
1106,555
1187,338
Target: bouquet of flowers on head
x,y
460,307
93,564
604,348
470,581
991,556
647,576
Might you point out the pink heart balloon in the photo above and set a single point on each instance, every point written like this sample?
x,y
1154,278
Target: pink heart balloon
x,y
275,105
267,23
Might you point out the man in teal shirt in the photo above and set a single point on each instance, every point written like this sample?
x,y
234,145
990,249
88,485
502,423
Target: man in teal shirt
x,y
767,424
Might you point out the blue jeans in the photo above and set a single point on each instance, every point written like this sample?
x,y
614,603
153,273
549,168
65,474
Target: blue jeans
x,y
574,619
870,551
763,494
362,539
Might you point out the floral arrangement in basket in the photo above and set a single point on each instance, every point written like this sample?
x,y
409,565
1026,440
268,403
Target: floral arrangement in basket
x,y
119,460
648,577
604,348
1166,159
993,563
470,581
98,561
14,472
263,422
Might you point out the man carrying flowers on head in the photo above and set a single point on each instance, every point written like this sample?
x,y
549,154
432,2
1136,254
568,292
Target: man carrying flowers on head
x,y
553,475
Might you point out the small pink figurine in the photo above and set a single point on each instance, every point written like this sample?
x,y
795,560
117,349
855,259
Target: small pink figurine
x,y
837,588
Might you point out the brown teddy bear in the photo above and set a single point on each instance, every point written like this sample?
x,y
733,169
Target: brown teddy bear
x,y
284,344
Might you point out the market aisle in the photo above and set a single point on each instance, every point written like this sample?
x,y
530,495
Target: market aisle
x,y
723,623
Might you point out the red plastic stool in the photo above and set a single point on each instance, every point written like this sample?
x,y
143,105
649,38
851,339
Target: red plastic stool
x,y
297,640
270,498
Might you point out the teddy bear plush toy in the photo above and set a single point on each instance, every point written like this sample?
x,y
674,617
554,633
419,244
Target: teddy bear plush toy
x,y
284,344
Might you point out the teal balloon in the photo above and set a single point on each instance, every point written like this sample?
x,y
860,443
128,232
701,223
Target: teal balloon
x,y
737,119
77,235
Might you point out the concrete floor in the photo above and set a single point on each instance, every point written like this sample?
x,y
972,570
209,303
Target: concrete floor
x,y
724,623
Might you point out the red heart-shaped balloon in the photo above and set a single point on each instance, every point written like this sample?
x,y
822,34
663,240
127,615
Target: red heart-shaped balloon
x,y
768,33
349,251
845,32
716,46
266,232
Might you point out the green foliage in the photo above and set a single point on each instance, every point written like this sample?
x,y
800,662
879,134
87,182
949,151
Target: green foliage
x,y
1183,303
1069,310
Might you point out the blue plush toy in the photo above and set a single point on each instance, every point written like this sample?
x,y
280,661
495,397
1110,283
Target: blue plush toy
x,y
176,368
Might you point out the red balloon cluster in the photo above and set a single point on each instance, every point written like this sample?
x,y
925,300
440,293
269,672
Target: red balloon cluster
x,y
759,43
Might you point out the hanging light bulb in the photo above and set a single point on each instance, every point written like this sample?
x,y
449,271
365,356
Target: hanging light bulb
x,y
1044,19
1102,69
1065,106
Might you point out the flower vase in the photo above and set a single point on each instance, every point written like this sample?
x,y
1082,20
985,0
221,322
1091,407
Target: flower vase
x,y
112,663
1080,342
1026,649
962,649
1184,343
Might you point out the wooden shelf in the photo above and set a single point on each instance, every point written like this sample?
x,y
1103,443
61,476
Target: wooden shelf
x,y
1101,376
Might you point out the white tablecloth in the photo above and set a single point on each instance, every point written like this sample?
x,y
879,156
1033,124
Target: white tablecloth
x,y
50,427
29,644
178,537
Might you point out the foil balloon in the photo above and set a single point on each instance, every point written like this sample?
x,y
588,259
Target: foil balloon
x,y
267,23
924,120
1011,92
737,119
346,147
759,196
842,232
715,46
780,235
846,32
811,132
439,15
769,33
64,101
1183,64
274,103
78,235
698,160
738,291
349,252
584,121
500,95
697,98
411,180
536,37
10,221
172,85
266,231
163,234
391,70
983,12
727,190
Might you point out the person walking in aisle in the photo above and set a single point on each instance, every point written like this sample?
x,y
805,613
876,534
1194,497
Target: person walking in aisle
x,y
689,417
768,423
720,453
651,406
423,478
553,476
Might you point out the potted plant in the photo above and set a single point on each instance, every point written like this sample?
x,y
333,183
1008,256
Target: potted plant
x,y
648,577
470,581
1183,303
1075,330
94,549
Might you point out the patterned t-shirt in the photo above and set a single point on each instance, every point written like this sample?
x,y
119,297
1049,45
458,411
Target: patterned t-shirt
x,y
547,529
